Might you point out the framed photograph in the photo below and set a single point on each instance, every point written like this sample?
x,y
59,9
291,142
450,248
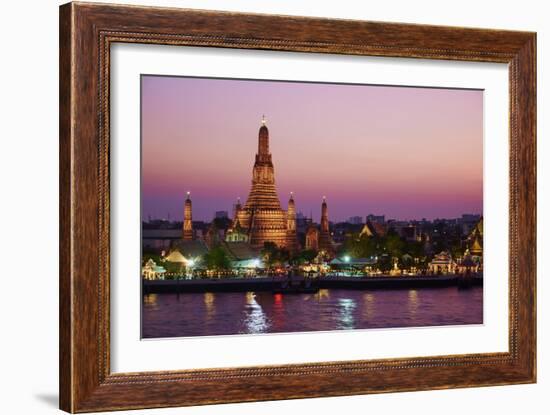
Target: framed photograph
x,y
259,207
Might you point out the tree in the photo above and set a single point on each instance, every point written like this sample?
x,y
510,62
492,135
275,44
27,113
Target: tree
x,y
394,245
360,247
385,263
273,255
406,261
269,253
217,259
369,247
414,249
304,257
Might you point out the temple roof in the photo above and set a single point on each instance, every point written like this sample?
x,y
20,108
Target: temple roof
x,y
240,250
477,231
236,227
312,229
189,249
443,257
476,247
373,229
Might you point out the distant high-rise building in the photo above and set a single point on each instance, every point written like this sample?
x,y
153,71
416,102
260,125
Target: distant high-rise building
x,y
221,214
355,220
381,219
468,221
469,217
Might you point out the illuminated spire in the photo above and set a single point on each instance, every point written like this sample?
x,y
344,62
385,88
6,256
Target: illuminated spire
x,y
324,215
188,219
263,144
325,241
291,223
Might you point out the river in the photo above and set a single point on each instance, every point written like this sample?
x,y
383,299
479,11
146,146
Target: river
x,y
208,314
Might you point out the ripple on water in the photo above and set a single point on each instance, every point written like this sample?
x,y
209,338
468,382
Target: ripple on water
x,y
207,314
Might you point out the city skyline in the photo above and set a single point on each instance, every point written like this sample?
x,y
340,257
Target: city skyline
x,y
302,215
404,152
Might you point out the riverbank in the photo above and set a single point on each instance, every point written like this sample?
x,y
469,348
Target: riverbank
x,y
274,283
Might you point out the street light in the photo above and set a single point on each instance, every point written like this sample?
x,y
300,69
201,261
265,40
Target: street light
x,y
190,264
347,258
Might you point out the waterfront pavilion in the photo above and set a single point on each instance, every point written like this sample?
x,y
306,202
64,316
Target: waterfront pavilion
x,y
353,265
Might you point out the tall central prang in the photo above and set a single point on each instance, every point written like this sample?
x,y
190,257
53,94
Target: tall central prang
x,y
263,194
262,217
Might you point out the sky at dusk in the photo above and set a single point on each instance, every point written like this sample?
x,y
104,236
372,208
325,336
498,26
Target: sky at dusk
x,y
408,153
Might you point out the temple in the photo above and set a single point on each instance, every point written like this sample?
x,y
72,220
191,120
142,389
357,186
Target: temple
x,y
320,239
261,218
187,220
325,240
475,239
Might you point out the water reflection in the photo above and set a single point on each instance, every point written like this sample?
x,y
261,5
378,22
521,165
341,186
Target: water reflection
x,y
150,299
255,320
368,306
207,314
347,305
278,310
209,304
322,294
413,302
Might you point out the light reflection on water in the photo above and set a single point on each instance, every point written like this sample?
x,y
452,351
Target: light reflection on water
x,y
347,305
368,309
255,319
207,314
150,300
413,302
210,305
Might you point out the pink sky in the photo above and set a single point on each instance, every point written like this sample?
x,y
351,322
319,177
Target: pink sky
x,y
408,153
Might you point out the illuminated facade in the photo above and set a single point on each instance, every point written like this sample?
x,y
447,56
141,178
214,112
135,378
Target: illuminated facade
x,y
475,240
236,233
320,239
187,219
312,238
152,271
261,217
325,240
442,263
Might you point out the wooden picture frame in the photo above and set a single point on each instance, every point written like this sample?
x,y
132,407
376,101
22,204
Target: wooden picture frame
x,y
86,33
